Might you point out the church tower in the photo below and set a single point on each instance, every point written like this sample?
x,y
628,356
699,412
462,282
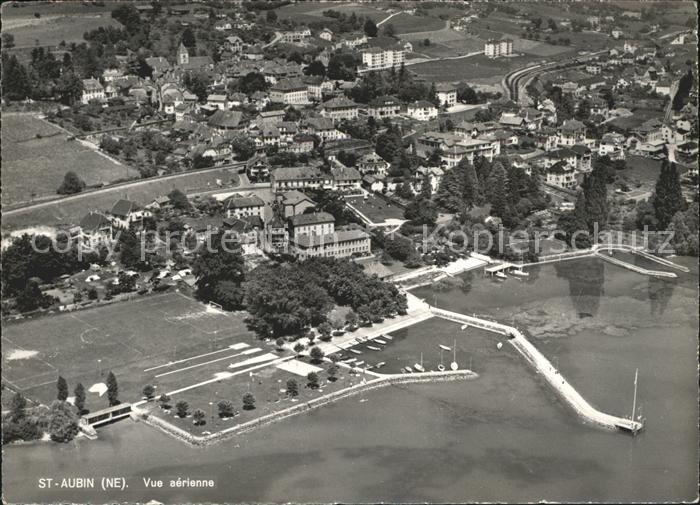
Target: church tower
x,y
183,56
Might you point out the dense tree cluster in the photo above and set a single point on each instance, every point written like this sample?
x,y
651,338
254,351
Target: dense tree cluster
x,y
668,196
591,209
512,193
286,299
220,271
399,83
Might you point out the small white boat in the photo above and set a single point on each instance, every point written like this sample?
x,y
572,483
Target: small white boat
x,y
520,273
351,360
419,366
499,345
408,369
359,363
374,348
454,365
380,341
388,337
355,351
464,327
500,275
380,364
441,367
444,347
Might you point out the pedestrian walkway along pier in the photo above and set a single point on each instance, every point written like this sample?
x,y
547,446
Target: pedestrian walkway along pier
x,y
548,371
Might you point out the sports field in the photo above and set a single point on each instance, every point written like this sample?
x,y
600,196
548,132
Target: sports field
x,y
36,155
137,340
305,12
470,69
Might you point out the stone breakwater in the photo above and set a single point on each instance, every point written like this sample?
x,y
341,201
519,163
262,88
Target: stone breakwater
x,y
385,380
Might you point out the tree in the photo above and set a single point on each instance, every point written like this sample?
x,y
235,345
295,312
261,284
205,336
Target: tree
x,y
112,390
15,80
79,402
62,387
63,422
71,184
332,371
149,392
226,409
188,39
292,388
8,41
325,330
179,200
19,403
316,67
271,16
279,343
69,88
351,318
128,15
252,82
668,195
164,401
31,297
243,146
248,401
370,28
312,379
459,188
199,417
421,211
298,347
182,408
316,355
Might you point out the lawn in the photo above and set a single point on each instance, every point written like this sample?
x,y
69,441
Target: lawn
x,y
71,211
268,386
376,209
128,337
36,155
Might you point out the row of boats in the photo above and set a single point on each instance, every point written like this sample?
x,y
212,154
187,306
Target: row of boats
x,y
519,272
360,340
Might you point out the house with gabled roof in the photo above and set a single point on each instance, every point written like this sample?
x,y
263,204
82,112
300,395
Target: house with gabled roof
x,y
126,214
96,229
241,205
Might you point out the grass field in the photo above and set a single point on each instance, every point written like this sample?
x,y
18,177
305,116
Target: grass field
x,y
71,211
470,69
57,21
128,337
309,12
407,23
36,156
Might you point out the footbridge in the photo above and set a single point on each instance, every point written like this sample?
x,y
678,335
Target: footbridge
x,y
543,366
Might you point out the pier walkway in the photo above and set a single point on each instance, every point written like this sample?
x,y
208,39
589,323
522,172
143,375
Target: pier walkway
x,y
634,268
548,371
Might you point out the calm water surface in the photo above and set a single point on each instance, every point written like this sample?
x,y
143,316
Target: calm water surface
x,y
503,437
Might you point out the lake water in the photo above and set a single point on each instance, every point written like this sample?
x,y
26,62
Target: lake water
x,y
503,437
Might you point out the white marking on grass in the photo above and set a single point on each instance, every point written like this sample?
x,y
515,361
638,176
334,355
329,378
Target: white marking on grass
x,y
239,372
20,354
234,347
256,359
248,351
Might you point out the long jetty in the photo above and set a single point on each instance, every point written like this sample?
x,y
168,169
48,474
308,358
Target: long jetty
x,y
548,371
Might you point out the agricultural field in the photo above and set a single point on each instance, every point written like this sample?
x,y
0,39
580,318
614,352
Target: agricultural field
x,y
57,22
129,338
36,155
310,12
479,69
70,211
407,23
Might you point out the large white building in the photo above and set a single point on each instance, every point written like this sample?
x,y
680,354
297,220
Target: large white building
x,y
92,90
497,48
383,53
290,92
